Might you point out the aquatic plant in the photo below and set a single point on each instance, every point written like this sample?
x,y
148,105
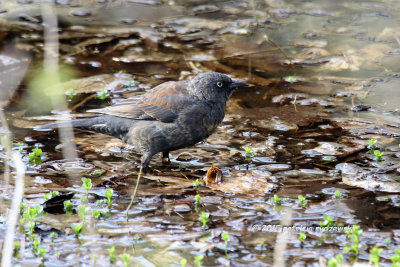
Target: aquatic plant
x,y
102,94
353,235
374,256
327,221
203,218
35,157
225,236
51,195
37,250
302,237
111,255
372,145
31,215
196,184
87,185
109,193
77,228
68,207
197,200
70,94
335,261
277,200
378,155
125,258
338,194
198,260
395,258
249,153
302,200
183,262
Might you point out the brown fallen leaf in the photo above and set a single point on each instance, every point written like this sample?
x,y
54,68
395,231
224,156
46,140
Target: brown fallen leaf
x,y
252,183
213,176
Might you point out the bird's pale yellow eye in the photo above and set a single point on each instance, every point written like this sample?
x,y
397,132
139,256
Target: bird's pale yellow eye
x,y
220,84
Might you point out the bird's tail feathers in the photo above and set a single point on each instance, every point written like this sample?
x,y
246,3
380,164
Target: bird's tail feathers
x,y
81,123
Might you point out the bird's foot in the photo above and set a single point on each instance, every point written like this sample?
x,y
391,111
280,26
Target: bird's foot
x,y
165,158
166,161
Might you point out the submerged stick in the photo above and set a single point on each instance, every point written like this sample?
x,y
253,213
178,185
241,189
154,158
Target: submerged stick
x,y
134,192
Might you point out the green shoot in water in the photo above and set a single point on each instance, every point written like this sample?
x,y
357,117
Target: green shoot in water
x,y
35,157
203,218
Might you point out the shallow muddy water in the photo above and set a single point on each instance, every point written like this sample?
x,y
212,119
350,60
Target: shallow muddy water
x,y
312,143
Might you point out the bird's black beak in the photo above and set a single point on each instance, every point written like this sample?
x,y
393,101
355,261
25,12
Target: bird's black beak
x,y
236,84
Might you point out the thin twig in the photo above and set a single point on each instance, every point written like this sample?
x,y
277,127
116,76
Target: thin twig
x,y
134,192
12,218
8,149
280,49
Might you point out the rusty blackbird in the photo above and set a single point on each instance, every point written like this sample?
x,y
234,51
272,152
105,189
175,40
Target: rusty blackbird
x,y
171,116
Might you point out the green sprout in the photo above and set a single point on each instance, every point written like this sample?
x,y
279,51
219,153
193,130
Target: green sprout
x,y
125,257
353,235
22,207
103,94
327,222
68,207
16,249
203,218
97,173
249,153
196,184
35,157
87,185
51,195
327,158
395,258
338,194
197,199
109,193
70,94
277,200
302,201
97,214
111,255
31,215
372,145
378,155
374,256
291,79
77,228
262,245
37,250
20,147
225,236
335,261
302,237
183,262
53,236
82,211
131,83
198,260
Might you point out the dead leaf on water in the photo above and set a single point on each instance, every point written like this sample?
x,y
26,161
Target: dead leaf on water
x,y
250,183
213,176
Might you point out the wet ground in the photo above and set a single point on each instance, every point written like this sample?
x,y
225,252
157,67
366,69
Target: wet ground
x,y
313,142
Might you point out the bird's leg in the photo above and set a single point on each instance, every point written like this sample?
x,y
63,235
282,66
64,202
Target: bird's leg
x,y
146,158
165,157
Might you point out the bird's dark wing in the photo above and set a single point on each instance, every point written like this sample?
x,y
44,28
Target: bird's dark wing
x,y
162,103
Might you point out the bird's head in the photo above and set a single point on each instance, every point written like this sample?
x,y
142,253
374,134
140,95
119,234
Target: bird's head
x,y
214,86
